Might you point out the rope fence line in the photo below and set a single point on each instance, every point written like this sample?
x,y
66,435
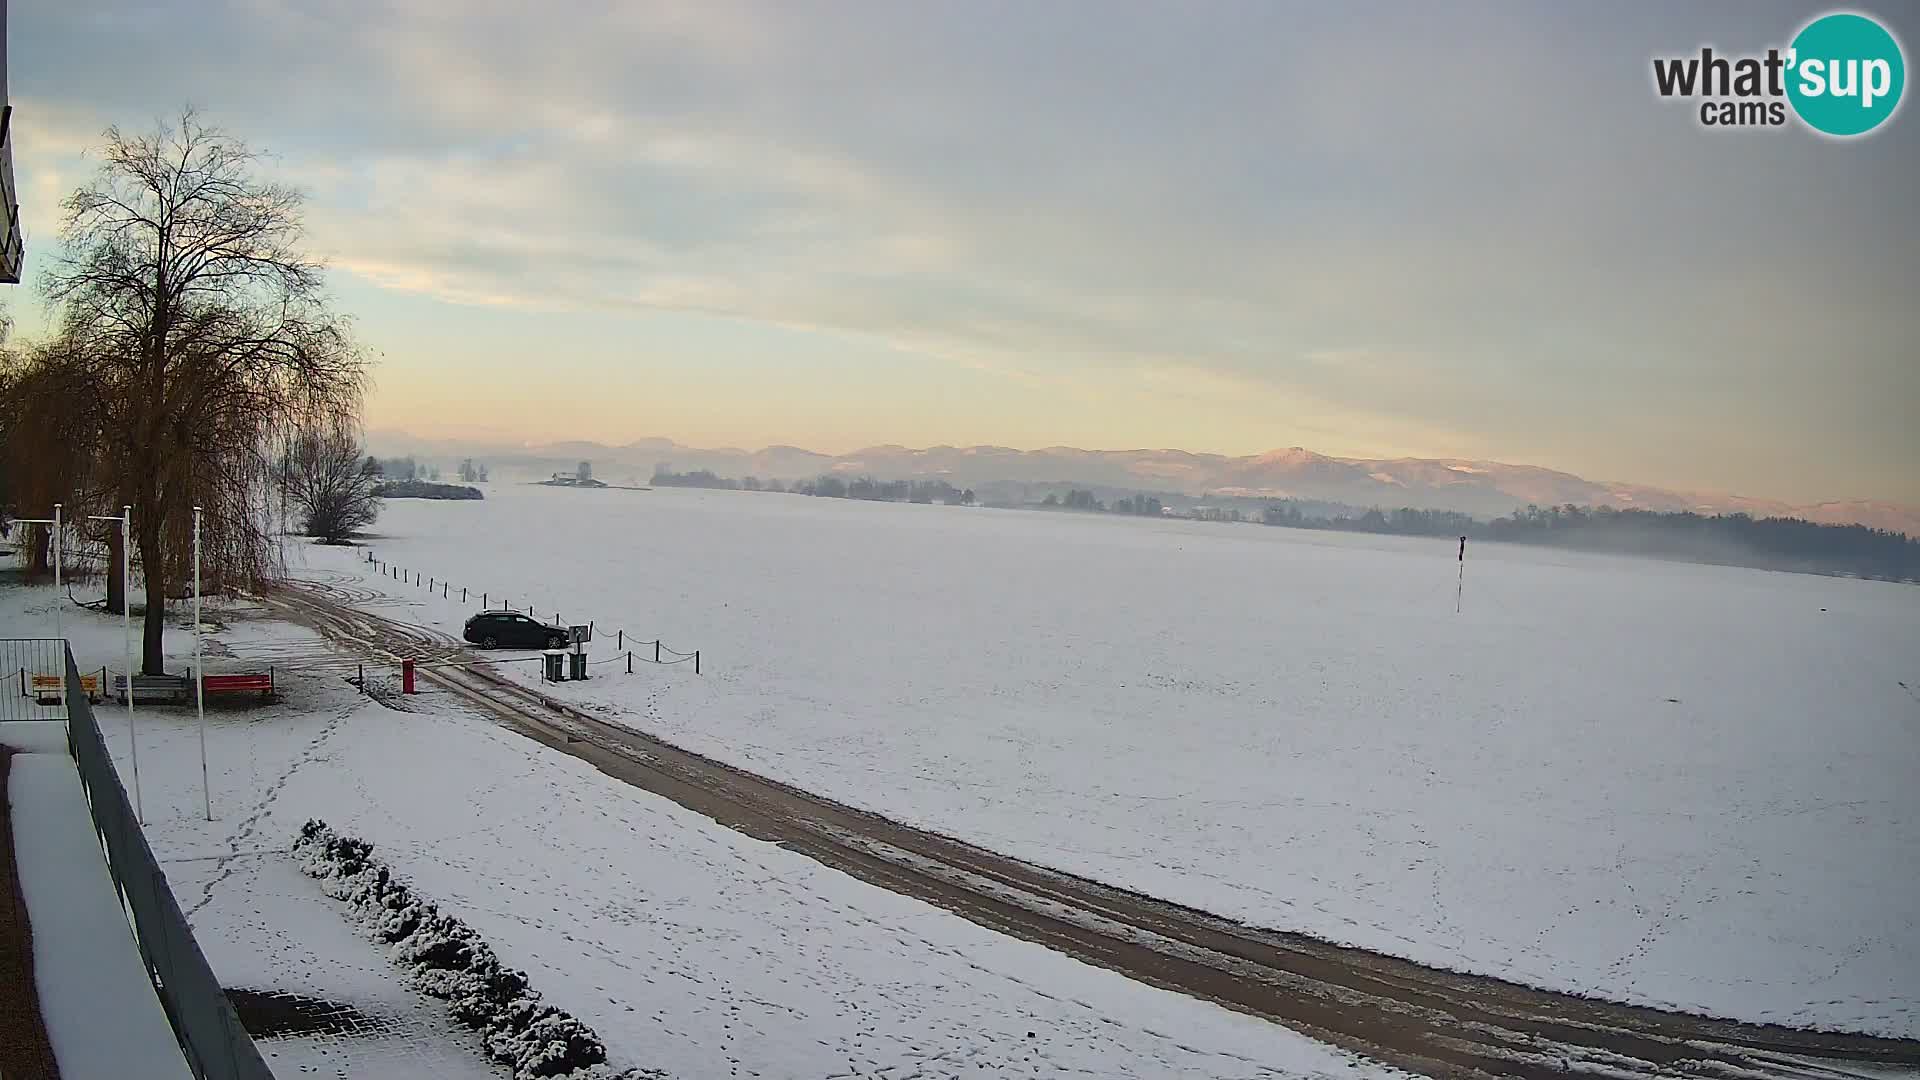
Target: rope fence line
x,y
663,656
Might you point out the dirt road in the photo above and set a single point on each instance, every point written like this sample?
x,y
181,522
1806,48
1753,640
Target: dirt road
x,y
1422,1019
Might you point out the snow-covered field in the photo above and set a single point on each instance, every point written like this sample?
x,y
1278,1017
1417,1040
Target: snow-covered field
x,y
689,947
1678,785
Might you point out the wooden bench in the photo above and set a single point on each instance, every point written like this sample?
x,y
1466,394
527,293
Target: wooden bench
x,y
252,682
52,689
169,688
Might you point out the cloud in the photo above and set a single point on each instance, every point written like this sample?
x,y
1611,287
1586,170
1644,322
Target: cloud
x,y
1398,226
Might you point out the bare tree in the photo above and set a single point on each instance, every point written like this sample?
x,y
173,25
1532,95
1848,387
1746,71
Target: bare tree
x,y
328,479
199,324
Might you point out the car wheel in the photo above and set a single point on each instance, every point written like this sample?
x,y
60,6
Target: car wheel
x,y
489,642
556,642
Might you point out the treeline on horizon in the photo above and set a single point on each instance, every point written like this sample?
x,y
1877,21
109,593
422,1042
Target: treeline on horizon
x,y
1769,543
1733,539
827,487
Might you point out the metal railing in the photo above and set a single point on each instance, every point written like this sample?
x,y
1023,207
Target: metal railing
x,y
33,679
211,1037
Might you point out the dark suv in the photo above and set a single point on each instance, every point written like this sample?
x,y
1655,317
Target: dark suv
x,y
512,630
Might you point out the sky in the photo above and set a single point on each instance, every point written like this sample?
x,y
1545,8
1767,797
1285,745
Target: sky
x,y
1369,229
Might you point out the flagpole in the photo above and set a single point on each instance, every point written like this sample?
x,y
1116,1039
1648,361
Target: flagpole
x,y
125,518
53,541
60,594
199,676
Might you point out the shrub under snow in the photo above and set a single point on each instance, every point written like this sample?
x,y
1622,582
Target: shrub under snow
x,y
445,958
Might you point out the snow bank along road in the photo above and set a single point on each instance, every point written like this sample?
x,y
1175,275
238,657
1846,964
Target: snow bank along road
x,y
1405,1014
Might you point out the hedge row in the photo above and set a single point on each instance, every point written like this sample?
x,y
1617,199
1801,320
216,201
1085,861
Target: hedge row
x,y
445,958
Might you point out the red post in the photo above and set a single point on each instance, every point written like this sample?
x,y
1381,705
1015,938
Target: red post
x,y
406,675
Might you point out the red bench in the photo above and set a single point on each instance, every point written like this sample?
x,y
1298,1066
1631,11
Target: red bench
x,y
239,683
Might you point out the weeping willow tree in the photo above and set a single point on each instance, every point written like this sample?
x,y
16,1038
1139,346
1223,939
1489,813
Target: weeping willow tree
x,y
194,340
50,445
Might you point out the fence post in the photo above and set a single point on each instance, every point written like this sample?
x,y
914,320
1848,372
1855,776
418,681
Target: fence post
x,y
656,650
463,594
619,639
483,599
363,678
696,661
629,661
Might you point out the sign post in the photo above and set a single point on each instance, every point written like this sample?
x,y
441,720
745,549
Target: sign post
x,y
577,637
1461,583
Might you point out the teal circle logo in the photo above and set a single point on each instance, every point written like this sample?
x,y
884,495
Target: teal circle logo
x,y
1845,74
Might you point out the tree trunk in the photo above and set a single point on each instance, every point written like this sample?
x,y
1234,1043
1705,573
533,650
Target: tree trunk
x,y
41,537
116,585
153,658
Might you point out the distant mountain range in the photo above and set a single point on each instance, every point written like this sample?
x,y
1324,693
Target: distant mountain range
x,y
1482,488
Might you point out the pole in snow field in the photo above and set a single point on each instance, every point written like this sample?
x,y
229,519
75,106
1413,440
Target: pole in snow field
x,y
1460,584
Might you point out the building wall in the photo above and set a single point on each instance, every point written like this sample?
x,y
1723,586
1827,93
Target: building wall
x,y
12,251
